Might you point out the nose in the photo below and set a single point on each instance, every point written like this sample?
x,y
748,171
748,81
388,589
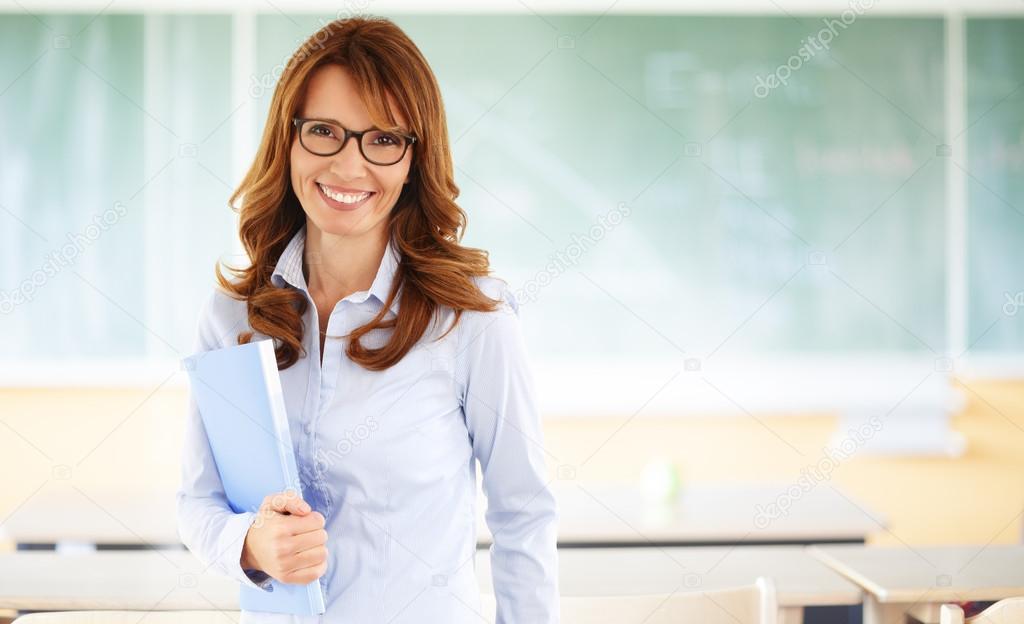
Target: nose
x,y
349,162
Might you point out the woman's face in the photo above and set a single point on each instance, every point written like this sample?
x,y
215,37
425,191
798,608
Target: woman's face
x,y
326,185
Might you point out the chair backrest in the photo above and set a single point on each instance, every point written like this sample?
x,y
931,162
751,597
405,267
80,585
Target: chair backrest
x,y
130,617
748,604
1008,611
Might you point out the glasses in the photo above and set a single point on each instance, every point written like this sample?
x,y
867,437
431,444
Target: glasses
x,y
325,138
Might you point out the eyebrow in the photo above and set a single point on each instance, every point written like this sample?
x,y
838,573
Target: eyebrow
x,y
338,123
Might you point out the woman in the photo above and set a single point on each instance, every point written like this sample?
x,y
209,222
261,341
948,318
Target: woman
x,y
402,362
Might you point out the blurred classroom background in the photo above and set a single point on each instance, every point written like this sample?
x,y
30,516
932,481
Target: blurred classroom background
x,y
768,252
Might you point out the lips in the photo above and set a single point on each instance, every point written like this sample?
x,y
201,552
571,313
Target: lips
x,y
343,199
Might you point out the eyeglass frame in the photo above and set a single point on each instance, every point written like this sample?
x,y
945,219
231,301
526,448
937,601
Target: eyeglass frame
x,y
299,121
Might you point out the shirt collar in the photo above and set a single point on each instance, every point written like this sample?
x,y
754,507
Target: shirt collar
x,y
289,271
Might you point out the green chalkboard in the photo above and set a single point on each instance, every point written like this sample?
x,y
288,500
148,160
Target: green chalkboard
x,y
995,166
811,219
781,180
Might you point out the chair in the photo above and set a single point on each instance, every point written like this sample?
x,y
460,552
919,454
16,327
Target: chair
x,y
130,617
1008,611
749,604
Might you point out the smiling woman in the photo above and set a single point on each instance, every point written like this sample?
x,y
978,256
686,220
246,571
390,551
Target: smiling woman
x,y
422,371
356,74
343,213
323,173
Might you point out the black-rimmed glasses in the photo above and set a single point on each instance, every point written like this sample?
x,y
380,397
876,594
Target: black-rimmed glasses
x,y
326,138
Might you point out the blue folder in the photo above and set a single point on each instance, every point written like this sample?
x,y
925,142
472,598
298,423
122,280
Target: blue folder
x,y
238,392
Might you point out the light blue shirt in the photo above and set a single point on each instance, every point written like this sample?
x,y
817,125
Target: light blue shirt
x,y
389,459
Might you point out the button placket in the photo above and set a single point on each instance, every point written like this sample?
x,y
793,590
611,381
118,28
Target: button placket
x,y
329,369
312,410
316,382
325,390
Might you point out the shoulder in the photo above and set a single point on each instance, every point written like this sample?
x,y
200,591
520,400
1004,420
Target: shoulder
x,y
500,325
491,344
499,290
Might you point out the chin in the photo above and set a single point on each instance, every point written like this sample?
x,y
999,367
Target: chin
x,y
355,223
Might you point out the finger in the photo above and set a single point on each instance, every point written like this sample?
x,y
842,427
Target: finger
x,y
310,539
306,558
307,574
287,502
304,524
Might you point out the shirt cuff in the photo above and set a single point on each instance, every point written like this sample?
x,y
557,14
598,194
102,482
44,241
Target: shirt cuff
x,y
259,577
232,540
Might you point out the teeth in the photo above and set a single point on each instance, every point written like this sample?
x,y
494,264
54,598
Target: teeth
x,y
345,198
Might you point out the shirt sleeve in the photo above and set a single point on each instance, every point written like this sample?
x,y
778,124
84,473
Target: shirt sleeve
x,y
507,437
206,523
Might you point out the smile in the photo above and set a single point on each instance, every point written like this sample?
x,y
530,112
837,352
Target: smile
x,y
344,198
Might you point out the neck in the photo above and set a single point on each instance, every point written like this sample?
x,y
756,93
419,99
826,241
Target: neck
x,y
341,265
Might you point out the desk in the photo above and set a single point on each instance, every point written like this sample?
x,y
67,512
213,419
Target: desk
x,y
134,580
903,580
799,580
165,580
60,513
591,515
617,515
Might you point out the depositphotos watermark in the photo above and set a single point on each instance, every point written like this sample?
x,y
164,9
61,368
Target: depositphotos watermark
x,y
570,256
266,81
1014,302
352,438
821,40
811,476
58,259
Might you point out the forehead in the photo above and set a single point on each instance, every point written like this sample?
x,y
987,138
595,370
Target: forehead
x,y
332,93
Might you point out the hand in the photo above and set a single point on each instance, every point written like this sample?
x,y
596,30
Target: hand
x,y
287,540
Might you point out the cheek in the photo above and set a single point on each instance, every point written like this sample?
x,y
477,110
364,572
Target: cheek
x,y
390,179
297,166
400,177
395,187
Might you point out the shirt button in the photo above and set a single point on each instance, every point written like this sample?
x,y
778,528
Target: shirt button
x,y
308,428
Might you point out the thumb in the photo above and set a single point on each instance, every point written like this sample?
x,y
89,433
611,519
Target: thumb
x,y
287,502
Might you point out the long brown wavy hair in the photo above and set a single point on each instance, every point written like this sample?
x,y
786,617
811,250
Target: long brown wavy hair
x,y
425,223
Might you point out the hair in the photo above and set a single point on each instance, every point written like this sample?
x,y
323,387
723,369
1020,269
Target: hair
x,y
425,224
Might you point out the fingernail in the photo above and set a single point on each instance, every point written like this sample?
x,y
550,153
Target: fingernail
x,y
306,507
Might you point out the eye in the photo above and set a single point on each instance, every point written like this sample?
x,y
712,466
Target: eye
x,y
387,139
321,130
